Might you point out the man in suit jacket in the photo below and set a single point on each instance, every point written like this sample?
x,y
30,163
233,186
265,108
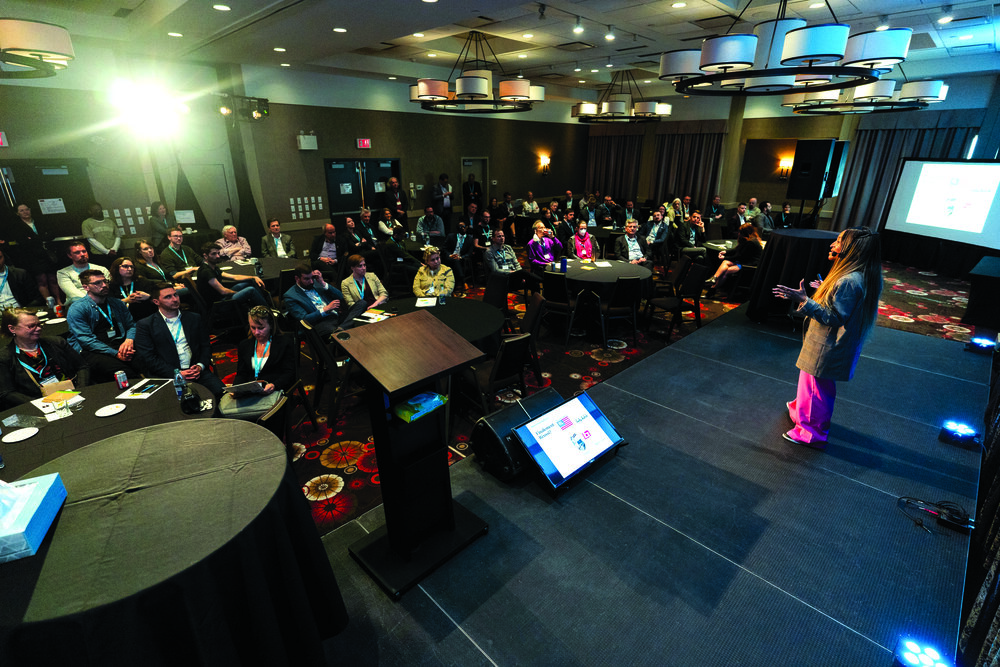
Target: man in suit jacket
x,y
764,221
632,248
17,288
324,252
458,248
276,244
444,198
472,192
323,307
396,201
737,220
169,340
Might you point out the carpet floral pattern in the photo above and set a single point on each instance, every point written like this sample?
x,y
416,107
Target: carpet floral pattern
x,y
924,302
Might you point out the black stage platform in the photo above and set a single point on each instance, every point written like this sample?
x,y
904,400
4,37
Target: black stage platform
x,y
709,540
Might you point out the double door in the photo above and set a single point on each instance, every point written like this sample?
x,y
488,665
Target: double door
x,y
353,184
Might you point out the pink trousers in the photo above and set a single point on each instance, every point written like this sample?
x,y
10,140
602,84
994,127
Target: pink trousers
x,y
812,408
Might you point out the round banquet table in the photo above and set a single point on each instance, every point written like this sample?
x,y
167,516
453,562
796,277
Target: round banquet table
x,y
271,267
178,544
84,427
789,256
472,319
601,280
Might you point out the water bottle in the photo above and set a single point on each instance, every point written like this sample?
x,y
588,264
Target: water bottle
x,y
258,267
180,384
50,303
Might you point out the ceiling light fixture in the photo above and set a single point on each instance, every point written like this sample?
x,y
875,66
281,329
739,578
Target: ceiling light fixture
x,y
392,78
947,17
36,49
527,35
577,68
679,5
418,34
286,64
221,8
578,28
615,104
340,29
610,34
883,23
473,90
609,62
783,54
279,49
175,34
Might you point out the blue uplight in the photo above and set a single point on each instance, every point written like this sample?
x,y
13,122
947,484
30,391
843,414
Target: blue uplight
x,y
910,652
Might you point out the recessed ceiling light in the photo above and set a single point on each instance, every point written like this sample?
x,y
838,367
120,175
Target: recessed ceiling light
x,y
577,68
392,78
279,49
340,29
221,8
679,5
882,28
285,65
581,81
430,1
965,37
432,55
174,34
817,5
418,34
594,71
522,55
527,35
945,20
647,81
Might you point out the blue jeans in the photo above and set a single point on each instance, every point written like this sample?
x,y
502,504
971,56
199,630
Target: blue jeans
x,y
248,295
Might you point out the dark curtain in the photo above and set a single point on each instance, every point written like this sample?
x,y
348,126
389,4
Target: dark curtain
x,y
613,164
688,164
876,158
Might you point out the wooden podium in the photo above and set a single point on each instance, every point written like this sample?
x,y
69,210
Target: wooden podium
x,y
424,526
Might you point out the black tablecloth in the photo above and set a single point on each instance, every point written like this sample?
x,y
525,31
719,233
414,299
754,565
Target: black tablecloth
x,y
789,256
271,266
179,544
983,309
64,435
473,320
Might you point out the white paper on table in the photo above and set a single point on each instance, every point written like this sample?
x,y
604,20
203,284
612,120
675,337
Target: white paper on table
x,y
603,265
426,301
49,409
144,389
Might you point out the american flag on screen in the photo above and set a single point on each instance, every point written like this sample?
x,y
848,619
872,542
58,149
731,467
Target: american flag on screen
x,y
564,423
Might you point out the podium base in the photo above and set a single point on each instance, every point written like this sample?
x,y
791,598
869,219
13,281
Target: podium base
x,y
396,574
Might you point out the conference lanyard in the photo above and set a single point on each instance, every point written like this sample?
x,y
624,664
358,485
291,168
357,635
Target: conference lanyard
x,y
157,269
107,316
45,363
182,254
175,328
6,274
259,361
121,289
361,287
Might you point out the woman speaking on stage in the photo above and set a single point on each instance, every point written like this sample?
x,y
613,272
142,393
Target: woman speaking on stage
x,y
839,317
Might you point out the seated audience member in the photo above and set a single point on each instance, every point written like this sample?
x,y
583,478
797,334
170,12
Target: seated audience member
x,y
30,361
501,258
430,227
388,227
433,279
543,248
752,210
103,235
686,207
17,288
458,248
609,208
689,236
629,212
494,210
564,230
233,246
588,213
69,276
717,212
102,329
554,207
178,260
764,221
267,356
170,340
324,251
583,245
365,224
355,240
131,290
33,255
322,306
737,220
482,231
786,218
675,213
569,203
471,216
658,238
276,244
210,285
362,286
632,248
746,252
530,206
395,199
546,217
146,265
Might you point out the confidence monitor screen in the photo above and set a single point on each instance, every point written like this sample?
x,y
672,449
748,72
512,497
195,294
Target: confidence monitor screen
x,y
948,200
568,438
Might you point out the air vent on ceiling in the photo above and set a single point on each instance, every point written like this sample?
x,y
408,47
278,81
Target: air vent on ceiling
x,y
967,19
971,49
717,22
476,22
631,48
645,64
574,46
122,13
921,40
549,75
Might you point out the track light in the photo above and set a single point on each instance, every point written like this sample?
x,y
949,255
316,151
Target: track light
x,y
577,68
947,17
578,28
883,23
610,34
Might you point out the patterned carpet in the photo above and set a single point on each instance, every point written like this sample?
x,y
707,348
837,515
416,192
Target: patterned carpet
x,y
337,464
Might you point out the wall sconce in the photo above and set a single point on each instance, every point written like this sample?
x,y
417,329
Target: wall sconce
x,y
784,167
544,161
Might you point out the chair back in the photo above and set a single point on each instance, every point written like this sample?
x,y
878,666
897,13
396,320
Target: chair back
x,y
680,271
319,349
196,300
532,321
285,281
694,281
495,293
555,287
627,292
509,362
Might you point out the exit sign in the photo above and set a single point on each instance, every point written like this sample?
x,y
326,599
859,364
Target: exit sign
x,y
364,143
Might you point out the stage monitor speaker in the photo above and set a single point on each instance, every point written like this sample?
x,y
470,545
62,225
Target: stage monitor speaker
x,y
495,446
810,169
838,161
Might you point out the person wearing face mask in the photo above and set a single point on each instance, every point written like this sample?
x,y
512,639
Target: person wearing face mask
x,y
583,245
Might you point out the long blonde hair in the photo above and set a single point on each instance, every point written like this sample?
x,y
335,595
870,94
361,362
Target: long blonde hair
x,y
860,252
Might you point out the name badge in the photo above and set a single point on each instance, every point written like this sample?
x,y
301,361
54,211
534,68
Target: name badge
x,y
111,332
49,380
